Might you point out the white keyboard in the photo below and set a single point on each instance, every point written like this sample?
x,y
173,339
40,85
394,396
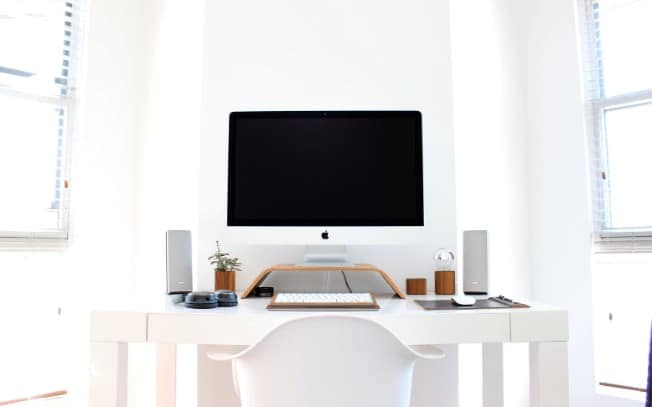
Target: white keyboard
x,y
323,300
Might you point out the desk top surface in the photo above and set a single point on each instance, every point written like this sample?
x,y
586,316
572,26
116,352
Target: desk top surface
x,y
257,306
162,320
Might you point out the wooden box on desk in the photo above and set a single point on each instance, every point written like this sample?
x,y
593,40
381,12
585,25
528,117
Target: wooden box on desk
x,y
416,286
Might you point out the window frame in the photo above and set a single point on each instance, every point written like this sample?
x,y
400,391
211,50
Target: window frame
x,y
67,102
597,106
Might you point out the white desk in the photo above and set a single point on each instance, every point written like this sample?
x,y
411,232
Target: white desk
x,y
544,328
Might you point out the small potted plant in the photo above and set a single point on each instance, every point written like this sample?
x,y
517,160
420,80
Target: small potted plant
x,y
225,268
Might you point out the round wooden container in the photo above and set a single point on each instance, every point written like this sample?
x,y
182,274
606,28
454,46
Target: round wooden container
x,y
445,282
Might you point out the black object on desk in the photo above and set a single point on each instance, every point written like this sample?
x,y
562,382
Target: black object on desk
x,y
227,298
490,303
211,299
432,305
201,299
261,291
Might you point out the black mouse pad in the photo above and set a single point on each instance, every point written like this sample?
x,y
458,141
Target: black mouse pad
x,y
431,305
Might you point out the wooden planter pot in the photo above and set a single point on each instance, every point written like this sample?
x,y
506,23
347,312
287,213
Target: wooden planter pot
x,y
225,280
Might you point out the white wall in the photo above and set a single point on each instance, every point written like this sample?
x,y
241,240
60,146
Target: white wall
x,y
168,192
344,55
490,164
622,309
559,207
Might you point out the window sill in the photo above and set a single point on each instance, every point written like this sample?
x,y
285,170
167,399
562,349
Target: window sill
x,y
33,243
634,395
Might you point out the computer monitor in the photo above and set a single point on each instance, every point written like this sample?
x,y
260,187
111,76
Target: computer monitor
x,y
325,177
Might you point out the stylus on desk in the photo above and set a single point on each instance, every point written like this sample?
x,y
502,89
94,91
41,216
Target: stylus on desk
x,y
507,301
503,300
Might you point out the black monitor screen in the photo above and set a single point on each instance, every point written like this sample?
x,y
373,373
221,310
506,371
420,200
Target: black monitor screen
x,y
325,169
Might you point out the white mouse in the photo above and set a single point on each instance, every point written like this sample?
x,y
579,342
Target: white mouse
x,y
463,300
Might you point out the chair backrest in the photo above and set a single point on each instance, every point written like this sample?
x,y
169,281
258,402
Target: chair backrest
x,y
326,361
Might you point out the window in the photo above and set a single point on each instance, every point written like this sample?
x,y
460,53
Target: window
x,y
37,67
619,90
618,87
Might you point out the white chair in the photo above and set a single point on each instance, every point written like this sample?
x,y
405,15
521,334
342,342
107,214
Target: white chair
x,y
327,361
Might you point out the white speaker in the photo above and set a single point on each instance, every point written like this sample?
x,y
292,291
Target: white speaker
x,y
476,278
178,261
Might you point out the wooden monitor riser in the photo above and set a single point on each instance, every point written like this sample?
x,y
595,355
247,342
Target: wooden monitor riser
x,y
296,268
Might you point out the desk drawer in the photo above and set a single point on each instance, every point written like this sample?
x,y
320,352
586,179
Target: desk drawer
x,y
539,326
415,329
209,328
449,327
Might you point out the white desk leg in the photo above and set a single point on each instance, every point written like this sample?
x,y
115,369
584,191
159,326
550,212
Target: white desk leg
x,y
492,375
108,374
549,374
166,375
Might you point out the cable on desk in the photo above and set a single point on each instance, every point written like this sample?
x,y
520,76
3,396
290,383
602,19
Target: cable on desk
x,y
346,281
325,288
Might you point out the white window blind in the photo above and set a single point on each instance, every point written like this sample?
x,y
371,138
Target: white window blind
x,y
38,63
618,90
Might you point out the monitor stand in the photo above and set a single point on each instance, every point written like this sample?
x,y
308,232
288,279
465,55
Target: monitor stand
x,y
323,255
319,259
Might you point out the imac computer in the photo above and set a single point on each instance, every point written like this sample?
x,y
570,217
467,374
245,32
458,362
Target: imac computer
x,y
325,179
